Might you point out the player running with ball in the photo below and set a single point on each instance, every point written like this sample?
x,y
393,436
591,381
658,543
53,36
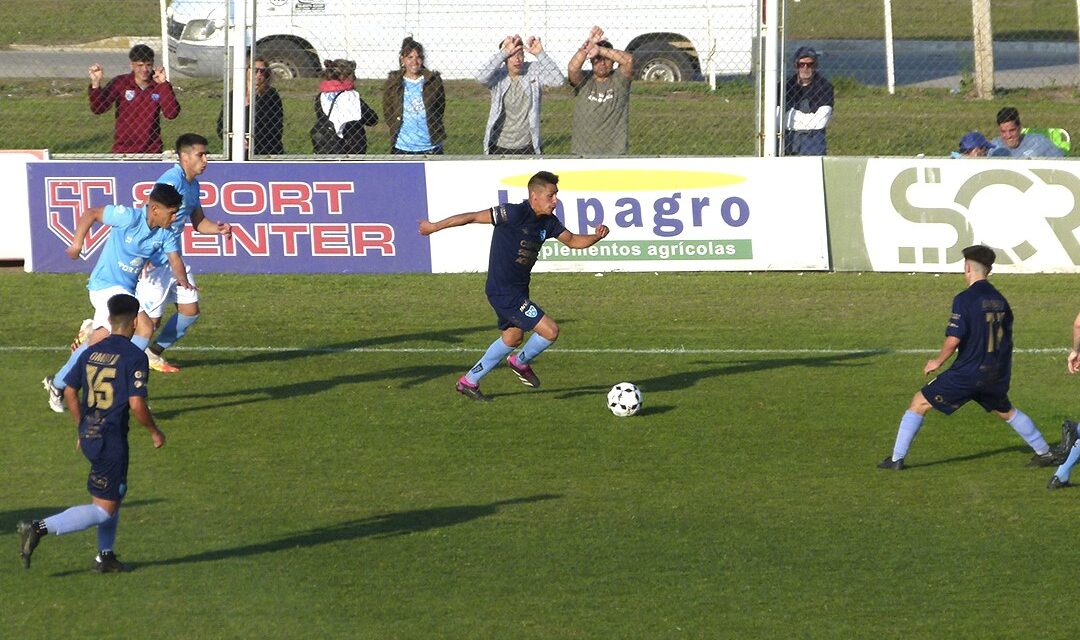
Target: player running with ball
x,y
520,231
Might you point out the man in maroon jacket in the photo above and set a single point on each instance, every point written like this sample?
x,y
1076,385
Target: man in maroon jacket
x,y
139,97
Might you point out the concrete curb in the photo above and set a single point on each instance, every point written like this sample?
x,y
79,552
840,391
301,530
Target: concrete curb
x,y
117,43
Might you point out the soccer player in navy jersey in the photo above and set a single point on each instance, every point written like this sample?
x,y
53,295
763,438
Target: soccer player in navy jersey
x,y
107,384
980,333
519,232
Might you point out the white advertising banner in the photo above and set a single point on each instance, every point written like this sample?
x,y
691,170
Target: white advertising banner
x,y
917,215
664,214
15,241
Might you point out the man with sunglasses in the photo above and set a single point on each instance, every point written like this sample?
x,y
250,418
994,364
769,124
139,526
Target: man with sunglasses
x,y
808,97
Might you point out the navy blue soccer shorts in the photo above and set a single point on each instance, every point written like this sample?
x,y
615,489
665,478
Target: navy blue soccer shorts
x,y
516,310
949,391
108,479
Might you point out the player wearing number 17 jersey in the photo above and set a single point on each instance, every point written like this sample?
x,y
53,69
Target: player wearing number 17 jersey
x,y
980,333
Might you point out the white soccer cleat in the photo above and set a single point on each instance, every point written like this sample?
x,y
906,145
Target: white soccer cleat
x,y
86,329
157,363
56,397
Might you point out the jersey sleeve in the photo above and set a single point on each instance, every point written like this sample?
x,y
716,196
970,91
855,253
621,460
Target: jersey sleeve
x,y
75,377
117,215
555,227
137,374
502,214
957,326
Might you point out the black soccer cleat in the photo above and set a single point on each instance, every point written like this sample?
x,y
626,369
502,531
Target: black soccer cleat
x,y
28,541
1068,436
1048,459
889,463
107,562
470,390
1057,483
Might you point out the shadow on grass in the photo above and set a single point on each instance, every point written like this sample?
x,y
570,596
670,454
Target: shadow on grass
x,y
455,336
8,519
972,456
686,379
409,377
378,527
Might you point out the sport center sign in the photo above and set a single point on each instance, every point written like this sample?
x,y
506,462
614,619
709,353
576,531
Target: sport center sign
x,y
286,217
361,217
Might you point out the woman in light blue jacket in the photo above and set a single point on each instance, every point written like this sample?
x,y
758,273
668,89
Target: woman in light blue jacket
x,y
513,126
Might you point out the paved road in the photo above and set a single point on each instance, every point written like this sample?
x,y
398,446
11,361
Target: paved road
x,y
918,63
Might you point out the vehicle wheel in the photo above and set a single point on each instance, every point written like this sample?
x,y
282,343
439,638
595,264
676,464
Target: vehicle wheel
x,y
288,60
662,62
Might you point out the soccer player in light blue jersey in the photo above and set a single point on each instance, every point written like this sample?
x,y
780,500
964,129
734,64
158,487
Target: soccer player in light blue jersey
x,y
107,384
137,235
519,232
157,287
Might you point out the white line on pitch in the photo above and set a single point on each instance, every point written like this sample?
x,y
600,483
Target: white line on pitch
x,y
655,351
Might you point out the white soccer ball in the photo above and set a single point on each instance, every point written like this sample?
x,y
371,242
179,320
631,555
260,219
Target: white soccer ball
x,y
624,399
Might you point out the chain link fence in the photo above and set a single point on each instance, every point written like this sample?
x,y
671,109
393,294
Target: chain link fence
x,y
948,68
695,87
671,47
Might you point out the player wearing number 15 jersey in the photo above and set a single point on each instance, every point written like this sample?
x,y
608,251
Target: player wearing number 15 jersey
x,y
980,333
106,385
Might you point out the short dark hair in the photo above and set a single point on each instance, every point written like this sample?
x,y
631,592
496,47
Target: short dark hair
x,y
166,194
189,140
141,53
123,307
605,44
541,180
1008,114
982,254
338,69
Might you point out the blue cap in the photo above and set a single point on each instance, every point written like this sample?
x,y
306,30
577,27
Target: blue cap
x,y
974,140
805,52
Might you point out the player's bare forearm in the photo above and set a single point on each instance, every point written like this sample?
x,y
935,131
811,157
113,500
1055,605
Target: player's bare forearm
x,y
141,411
71,399
176,265
427,227
579,241
947,349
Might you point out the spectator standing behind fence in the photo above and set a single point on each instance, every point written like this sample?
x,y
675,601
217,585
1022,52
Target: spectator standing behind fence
x,y
602,98
339,100
513,126
414,101
269,114
1019,144
139,96
808,97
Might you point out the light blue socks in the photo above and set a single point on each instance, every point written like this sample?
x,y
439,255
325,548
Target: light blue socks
x,y
1025,426
492,357
533,347
174,329
909,428
77,518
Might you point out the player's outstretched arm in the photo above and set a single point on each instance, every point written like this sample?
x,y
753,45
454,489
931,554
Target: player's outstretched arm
x,y
1074,355
578,241
947,349
176,265
202,224
82,227
141,411
427,227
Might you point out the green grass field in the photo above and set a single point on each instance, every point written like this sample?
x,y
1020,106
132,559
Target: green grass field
x,y
322,478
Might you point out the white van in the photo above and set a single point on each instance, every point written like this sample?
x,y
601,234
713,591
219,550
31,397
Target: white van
x,y
671,41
